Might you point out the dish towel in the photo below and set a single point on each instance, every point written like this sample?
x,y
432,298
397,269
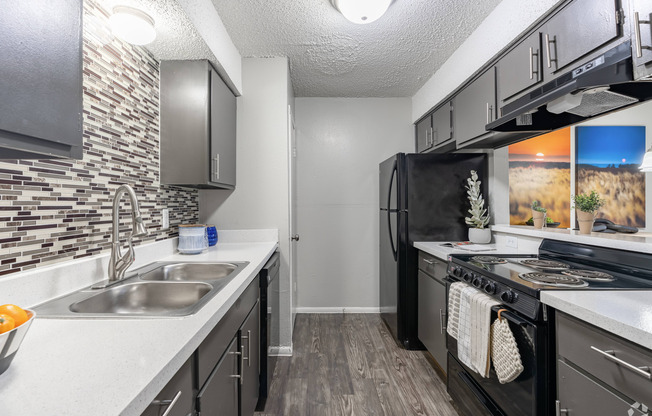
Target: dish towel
x,y
504,352
481,334
465,329
454,308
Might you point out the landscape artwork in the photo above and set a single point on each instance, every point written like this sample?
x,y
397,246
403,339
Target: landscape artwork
x,y
607,159
539,169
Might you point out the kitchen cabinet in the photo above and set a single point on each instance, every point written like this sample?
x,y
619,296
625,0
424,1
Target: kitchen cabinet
x,y
520,69
228,360
641,21
598,372
198,127
41,79
432,307
578,29
177,397
434,132
474,107
424,134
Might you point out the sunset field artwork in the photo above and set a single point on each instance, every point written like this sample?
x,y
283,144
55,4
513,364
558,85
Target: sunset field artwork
x,y
539,169
607,161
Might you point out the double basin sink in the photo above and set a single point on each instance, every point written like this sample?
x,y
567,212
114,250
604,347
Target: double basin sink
x,y
160,289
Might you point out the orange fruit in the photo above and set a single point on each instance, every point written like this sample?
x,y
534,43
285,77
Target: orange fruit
x,y
6,323
16,312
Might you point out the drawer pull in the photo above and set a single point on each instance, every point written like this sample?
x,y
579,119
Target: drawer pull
x,y
428,261
558,409
169,403
611,356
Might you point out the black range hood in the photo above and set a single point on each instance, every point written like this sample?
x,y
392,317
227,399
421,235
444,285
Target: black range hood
x,y
598,87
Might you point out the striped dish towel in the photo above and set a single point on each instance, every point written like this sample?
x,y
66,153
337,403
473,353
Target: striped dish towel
x,y
454,308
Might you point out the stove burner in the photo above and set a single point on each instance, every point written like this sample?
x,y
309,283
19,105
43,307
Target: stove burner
x,y
551,279
593,275
488,259
545,264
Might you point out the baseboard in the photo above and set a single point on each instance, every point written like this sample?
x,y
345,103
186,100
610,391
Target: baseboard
x,y
280,351
337,309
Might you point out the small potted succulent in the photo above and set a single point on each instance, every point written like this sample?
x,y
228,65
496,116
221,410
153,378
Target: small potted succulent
x,y
586,206
479,218
538,214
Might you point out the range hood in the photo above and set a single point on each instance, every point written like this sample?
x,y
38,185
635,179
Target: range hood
x,y
600,86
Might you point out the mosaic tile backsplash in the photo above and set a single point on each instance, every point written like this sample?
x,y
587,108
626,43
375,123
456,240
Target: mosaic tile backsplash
x,y
58,210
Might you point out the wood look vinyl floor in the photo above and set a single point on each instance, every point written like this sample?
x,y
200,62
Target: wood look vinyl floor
x,y
349,364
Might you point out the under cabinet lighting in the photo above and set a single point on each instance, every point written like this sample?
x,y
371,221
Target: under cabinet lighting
x,y
132,25
362,11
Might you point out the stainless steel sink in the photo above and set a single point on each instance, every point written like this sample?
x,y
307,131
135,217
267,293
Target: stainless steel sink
x,y
202,272
144,298
158,290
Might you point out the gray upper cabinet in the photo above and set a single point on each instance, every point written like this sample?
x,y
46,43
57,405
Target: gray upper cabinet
x,y
520,68
424,134
474,107
198,127
641,20
41,79
577,30
442,131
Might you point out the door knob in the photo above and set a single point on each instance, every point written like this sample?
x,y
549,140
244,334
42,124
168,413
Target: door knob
x,y
295,237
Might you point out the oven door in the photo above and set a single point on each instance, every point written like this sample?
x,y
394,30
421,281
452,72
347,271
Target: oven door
x,y
528,394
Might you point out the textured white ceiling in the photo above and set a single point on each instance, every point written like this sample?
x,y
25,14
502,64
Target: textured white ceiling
x,y
331,57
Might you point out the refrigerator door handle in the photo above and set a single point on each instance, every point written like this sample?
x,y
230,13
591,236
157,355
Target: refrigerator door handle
x,y
389,211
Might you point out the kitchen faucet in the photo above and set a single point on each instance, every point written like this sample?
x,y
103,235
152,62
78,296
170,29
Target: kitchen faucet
x,y
119,262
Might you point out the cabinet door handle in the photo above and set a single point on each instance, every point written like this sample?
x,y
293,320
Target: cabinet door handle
x,y
558,410
532,66
241,375
169,403
248,357
442,321
637,34
611,356
490,112
548,42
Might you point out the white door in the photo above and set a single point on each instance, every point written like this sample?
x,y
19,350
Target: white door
x,y
292,203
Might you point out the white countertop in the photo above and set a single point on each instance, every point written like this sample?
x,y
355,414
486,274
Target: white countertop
x,y
625,313
116,366
436,249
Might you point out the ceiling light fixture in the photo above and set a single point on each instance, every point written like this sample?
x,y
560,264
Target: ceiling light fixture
x,y
132,25
362,11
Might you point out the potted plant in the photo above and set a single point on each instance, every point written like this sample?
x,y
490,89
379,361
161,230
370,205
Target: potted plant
x,y
586,207
538,214
479,218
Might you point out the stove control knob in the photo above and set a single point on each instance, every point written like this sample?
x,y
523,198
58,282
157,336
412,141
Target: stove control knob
x,y
457,271
508,296
478,281
490,288
468,276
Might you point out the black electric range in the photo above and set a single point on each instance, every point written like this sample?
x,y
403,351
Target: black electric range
x,y
516,281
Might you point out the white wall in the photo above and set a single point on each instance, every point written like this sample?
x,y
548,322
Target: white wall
x,y
260,199
340,143
502,26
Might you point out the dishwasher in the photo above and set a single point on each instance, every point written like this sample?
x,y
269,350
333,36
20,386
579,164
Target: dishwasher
x,y
269,325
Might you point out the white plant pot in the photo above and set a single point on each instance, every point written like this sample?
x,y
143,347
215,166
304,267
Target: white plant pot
x,y
480,235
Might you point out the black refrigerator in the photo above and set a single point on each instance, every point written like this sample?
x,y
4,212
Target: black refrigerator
x,y
422,198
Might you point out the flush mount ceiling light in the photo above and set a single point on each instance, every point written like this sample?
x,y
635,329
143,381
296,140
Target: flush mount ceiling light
x,y
132,25
362,11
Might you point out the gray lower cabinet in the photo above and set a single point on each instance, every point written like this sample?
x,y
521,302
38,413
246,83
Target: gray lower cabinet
x,y
642,40
198,127
474,107
432,307
599,373
219,396
577,30
177,397
250,348
520,69
41,79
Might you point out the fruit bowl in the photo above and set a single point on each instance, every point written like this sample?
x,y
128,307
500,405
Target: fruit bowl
x,y
10,341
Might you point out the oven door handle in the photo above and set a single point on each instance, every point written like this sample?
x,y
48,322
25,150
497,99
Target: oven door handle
x,y
510,316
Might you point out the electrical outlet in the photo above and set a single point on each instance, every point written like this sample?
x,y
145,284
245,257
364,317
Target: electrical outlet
x,y
165,220
511,242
